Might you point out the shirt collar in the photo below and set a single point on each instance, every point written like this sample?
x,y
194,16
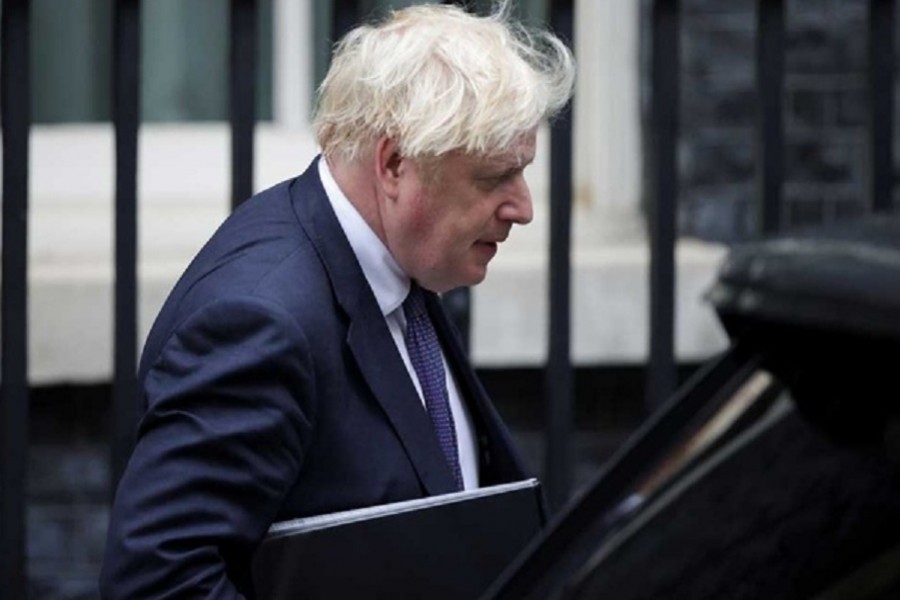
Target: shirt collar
x,y
388,281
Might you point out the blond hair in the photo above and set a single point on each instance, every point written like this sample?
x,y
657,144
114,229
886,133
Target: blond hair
x,y
436,79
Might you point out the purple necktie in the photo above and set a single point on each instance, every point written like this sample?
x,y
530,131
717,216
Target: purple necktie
x,y
425,356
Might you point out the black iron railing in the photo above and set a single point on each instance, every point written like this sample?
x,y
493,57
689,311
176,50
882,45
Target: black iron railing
x,y
664,65
15,114
882,59
770,99
126,114
558,384
244,31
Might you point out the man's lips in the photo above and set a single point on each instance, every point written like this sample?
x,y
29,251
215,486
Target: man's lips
x,y
489,248
493,240
490,243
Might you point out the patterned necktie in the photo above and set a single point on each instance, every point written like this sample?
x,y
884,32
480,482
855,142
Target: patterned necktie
x,y
425,356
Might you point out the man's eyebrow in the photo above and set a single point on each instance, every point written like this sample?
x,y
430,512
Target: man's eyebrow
x,y
508,164
501,170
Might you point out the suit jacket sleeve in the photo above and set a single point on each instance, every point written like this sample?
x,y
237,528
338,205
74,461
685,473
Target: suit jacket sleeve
x,y
230,411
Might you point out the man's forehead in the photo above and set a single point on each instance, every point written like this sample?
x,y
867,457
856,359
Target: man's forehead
x,y
518,154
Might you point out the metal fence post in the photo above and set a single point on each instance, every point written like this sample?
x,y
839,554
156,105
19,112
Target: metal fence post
x,y
242,97
881,103
665,66
770,94
558,375
15,120
126,107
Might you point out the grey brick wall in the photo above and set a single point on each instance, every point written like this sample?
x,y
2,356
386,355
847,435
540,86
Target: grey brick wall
x,y
824,115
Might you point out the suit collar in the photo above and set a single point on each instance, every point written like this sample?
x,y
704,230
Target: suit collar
x,y
317,219
389,283
368,336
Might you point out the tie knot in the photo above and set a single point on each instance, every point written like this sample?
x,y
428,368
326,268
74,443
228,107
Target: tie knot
x,y
414,305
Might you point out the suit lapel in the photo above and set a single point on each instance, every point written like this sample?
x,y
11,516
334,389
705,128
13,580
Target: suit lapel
x,y
368,336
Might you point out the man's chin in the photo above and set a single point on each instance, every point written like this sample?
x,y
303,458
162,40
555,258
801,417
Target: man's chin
x,y
475,277
468,280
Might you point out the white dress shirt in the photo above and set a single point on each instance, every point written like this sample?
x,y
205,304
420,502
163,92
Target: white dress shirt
x,y
391,285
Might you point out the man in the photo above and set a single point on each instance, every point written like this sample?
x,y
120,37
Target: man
x,y
302,364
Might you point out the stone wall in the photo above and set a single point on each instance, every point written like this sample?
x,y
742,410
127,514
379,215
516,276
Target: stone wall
x,y
824,115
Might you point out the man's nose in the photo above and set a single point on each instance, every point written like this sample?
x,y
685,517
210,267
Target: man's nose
x,y
518,209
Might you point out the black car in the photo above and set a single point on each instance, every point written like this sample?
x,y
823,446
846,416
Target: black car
x,y
775,471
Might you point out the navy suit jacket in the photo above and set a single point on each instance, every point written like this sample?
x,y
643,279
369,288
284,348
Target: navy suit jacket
x,y
274,390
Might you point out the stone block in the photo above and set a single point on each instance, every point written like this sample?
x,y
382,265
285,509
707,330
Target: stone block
x,y
720,99
717,44
803,212
707,7
74,470
718,157
851,107
824,47
823,162
848,208
71,533
809,108
724,213
62,584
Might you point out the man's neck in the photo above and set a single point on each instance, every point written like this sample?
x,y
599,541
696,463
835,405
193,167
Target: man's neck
x,y
359,190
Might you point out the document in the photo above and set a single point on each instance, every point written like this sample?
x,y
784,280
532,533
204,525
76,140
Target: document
x,y
448,546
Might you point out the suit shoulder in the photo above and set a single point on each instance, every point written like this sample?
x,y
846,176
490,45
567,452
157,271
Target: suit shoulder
x,y
259,250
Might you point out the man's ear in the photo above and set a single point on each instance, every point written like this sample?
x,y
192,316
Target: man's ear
x,y
388,163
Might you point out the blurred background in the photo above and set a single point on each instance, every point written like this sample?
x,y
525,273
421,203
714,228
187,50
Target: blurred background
x,y
744,117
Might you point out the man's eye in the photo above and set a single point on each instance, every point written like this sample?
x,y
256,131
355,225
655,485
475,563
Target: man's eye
x,y
491,182
499,179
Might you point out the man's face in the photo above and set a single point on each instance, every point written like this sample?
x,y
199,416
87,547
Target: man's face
x,y
448,219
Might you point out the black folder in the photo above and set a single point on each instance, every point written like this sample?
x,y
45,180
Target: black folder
x,y
448,546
